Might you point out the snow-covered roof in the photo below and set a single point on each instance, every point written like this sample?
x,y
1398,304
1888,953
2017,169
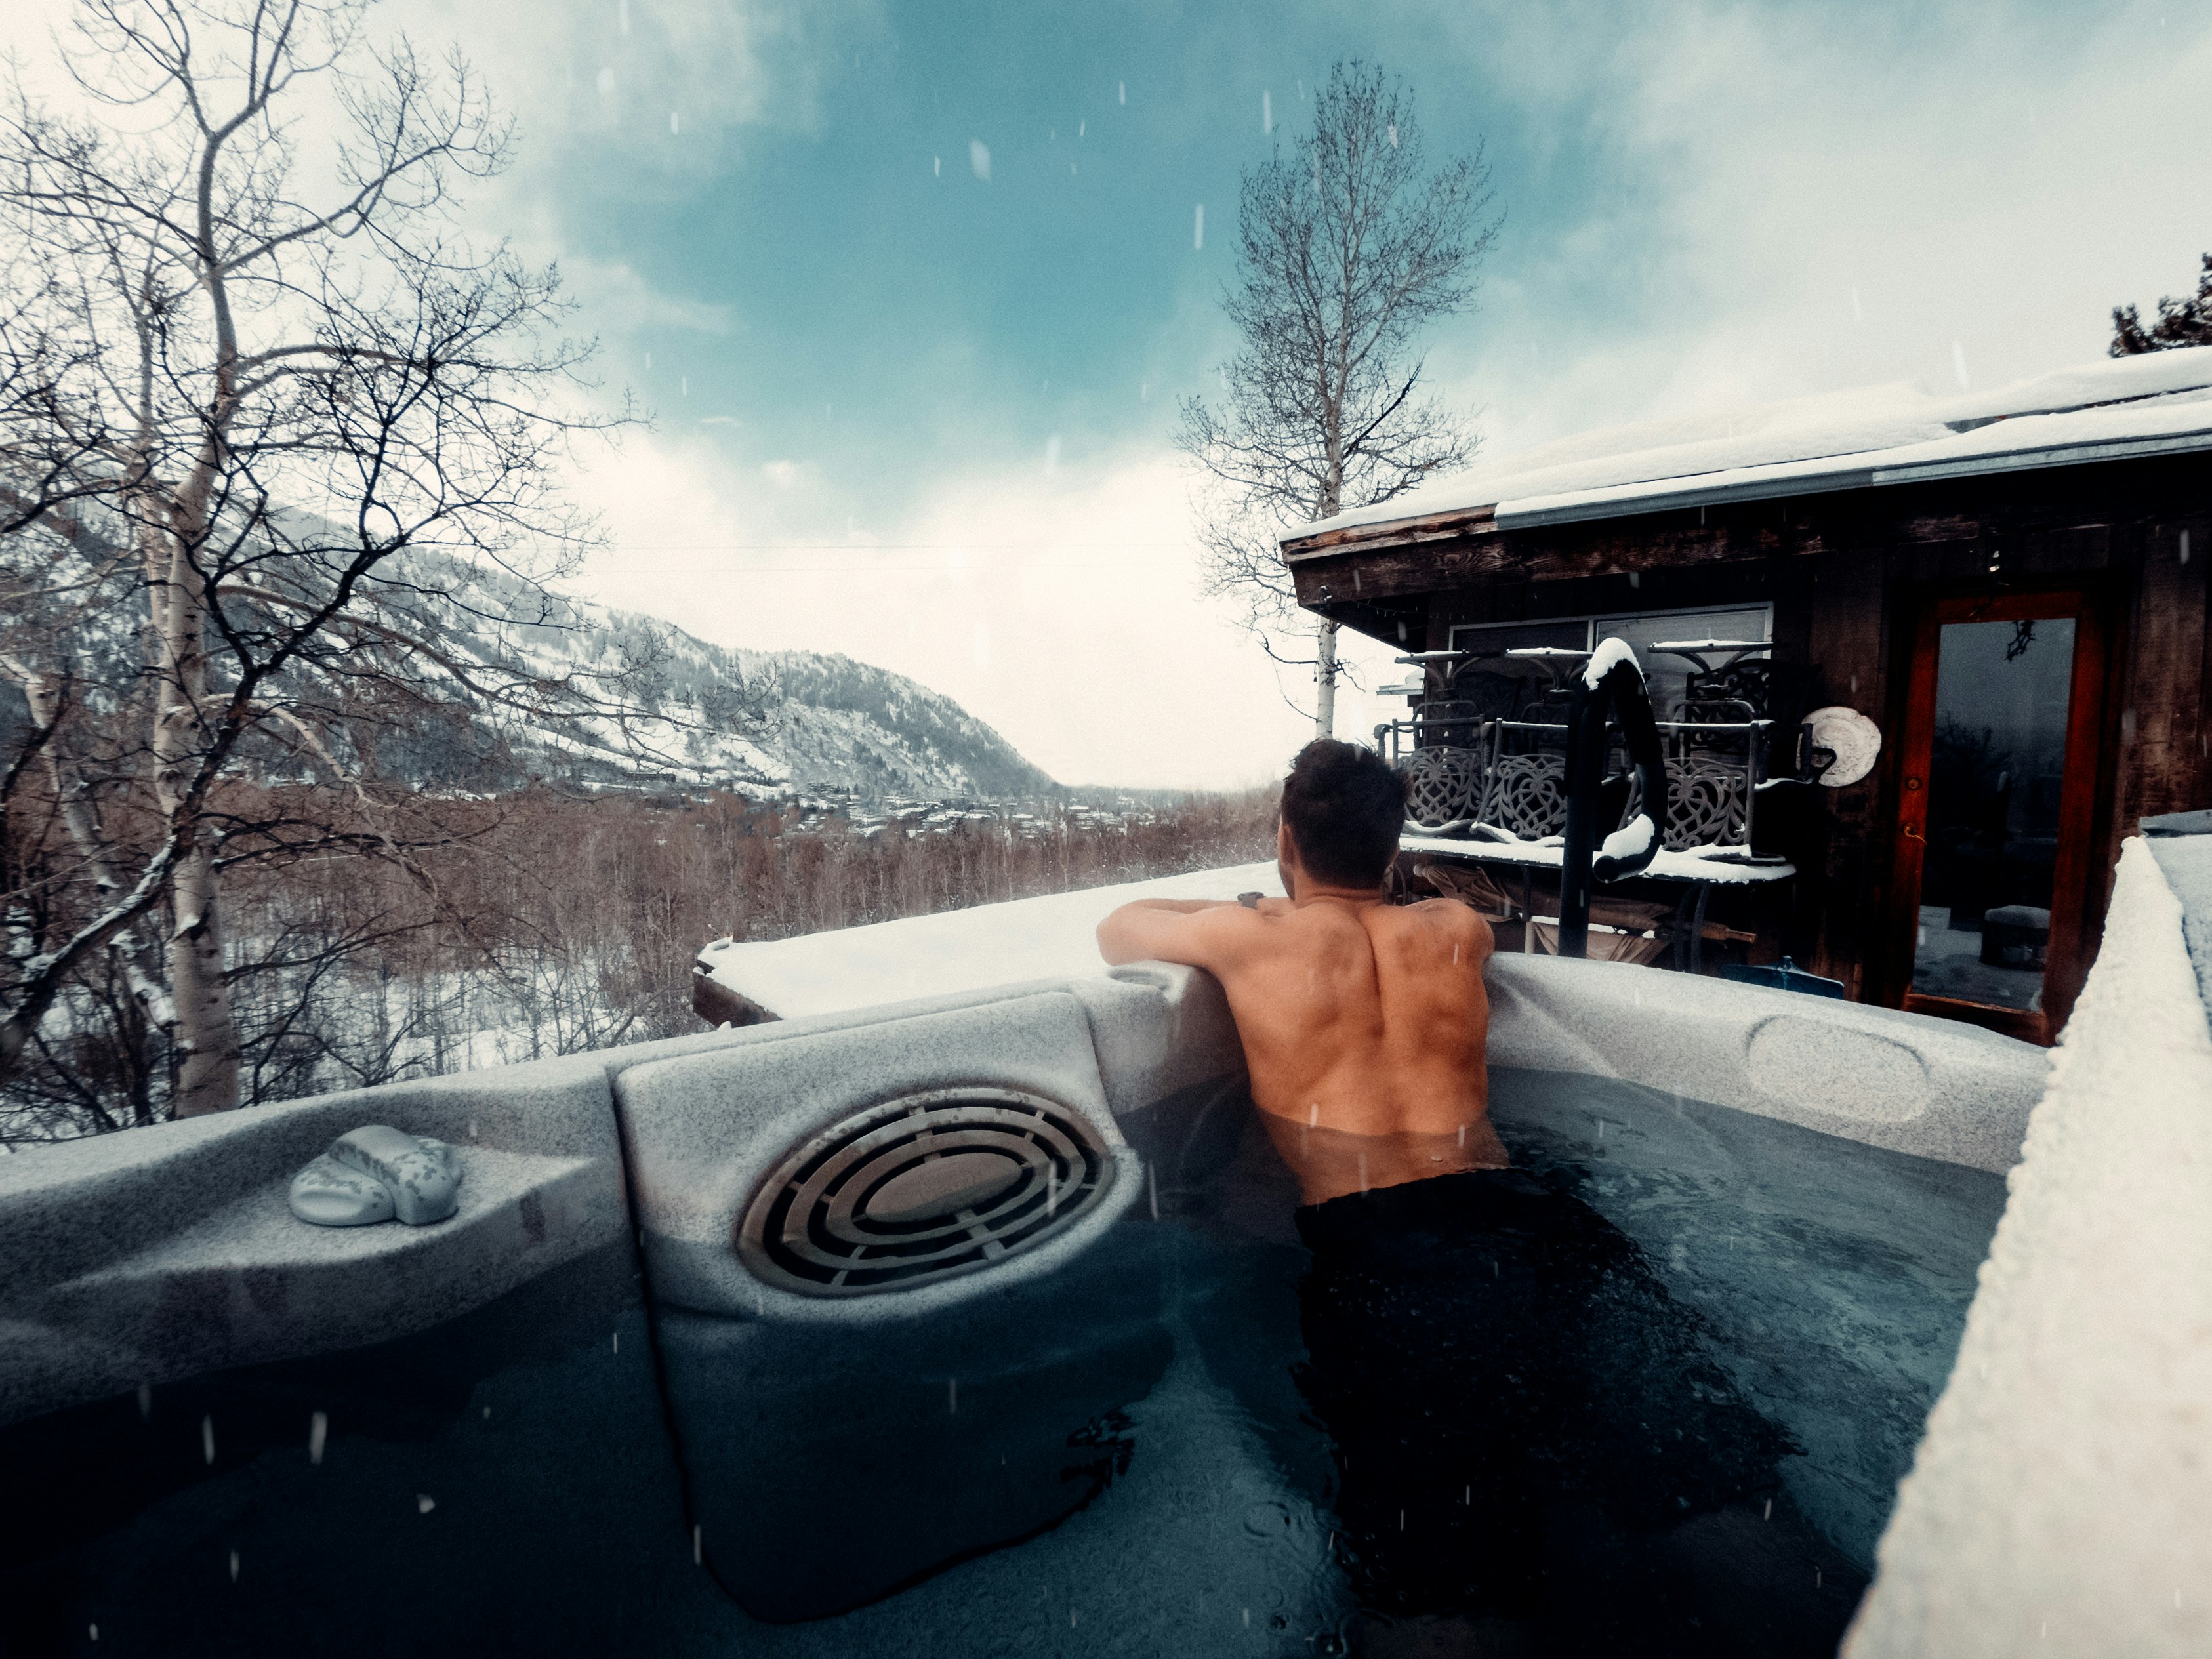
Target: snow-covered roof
x,y
2115,409
1053,937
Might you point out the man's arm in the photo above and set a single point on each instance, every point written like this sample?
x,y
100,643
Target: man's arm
x,y
1200,933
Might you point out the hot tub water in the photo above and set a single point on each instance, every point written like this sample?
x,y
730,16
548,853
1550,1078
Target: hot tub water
x,y
1826,1283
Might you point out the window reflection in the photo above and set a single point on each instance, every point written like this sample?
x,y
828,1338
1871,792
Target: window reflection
x,y
1995,771
1667,674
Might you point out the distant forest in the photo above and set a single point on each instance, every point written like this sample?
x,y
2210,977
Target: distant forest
x,y
550,924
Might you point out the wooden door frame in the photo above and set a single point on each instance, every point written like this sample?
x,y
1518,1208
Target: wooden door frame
x,y
2083,796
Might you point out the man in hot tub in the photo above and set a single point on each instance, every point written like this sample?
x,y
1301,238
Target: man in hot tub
x,y
1534,1450
1362,1021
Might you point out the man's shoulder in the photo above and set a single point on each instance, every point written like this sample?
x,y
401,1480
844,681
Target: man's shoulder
x,y
1438,912
1439,918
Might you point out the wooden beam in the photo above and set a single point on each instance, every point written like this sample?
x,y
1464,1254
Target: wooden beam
x,y
1402,570
1431,526
1846,644
2162,713
718,1005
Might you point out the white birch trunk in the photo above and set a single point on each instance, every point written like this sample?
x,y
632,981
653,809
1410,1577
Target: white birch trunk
x,y
1325,681
1325,635
206,1028
41,696
206,1031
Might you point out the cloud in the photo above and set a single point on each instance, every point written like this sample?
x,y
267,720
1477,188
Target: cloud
x,y
1061,608
597,84
1791,199
647,101
614,293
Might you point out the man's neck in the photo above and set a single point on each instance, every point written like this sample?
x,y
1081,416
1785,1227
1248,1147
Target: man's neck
x,y
1312,892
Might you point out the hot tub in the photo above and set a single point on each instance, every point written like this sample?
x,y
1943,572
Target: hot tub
x,y
965,1326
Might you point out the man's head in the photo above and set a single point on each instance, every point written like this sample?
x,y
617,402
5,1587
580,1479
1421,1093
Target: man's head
x,y
1343,808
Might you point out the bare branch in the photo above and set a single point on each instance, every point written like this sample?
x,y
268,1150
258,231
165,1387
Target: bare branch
x,y
279,464
1346,252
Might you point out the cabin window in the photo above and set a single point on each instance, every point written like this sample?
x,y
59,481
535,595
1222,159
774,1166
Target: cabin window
x,y
1641,630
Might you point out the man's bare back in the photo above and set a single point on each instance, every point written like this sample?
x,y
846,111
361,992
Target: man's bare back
x,y
1364,1023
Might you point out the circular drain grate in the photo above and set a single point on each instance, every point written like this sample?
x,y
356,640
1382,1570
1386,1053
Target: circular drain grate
x,y
922,1189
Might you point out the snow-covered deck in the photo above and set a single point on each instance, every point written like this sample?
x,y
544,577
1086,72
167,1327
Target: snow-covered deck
x,y
1052,937
956,950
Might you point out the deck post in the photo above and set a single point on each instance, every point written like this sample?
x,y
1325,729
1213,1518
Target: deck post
x,y
1585,765
1620,687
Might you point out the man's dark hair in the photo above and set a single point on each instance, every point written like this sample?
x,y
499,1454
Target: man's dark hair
x,y
1345,808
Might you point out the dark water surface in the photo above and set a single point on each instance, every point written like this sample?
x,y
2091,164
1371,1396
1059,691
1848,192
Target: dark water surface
x,y
1672,1422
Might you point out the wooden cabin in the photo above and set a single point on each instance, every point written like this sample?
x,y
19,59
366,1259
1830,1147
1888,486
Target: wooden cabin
x,y
2010,586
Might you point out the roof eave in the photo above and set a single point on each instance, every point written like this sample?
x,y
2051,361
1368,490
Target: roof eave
x,y
1510,515
1396,532
1585,507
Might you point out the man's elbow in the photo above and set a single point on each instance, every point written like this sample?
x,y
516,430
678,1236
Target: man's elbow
x,y
1114,944
1136,933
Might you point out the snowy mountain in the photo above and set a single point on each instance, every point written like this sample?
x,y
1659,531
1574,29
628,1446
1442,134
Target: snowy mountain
x,y
706,716
842,722
460,675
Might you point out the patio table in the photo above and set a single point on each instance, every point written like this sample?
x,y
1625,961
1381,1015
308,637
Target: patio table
x,y
1698,871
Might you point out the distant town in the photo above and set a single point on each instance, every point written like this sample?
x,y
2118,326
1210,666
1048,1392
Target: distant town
x,y
864,817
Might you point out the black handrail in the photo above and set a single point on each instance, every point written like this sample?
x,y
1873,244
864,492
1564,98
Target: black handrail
x,y
1594,799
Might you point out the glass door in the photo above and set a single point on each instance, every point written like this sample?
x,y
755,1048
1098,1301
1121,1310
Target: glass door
x,y
1994,820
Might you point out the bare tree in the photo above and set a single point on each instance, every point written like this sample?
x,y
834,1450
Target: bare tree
x,y
307,440
1346,250
2184,322
44,448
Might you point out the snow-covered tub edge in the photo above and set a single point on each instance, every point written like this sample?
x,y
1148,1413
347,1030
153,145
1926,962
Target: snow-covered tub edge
x,y
2056,1501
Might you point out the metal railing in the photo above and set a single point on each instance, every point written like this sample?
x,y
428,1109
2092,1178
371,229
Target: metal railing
x,y
1469,765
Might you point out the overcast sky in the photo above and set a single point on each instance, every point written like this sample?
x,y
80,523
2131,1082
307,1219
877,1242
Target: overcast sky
x,y
911,287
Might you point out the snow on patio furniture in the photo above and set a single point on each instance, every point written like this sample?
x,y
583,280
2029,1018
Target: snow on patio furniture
x,y
1443,747
1485,750
1484,756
